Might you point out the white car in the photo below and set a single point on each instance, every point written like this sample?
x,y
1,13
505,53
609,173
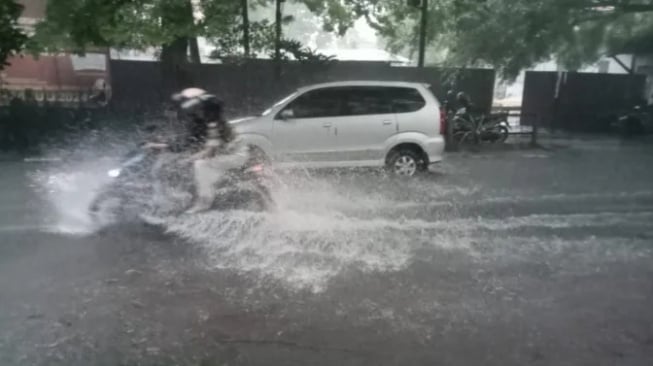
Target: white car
x,y
351,124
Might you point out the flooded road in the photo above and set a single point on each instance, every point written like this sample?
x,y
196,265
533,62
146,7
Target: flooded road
x,y
504,258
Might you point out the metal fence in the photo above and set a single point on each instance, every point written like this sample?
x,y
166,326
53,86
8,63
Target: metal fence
x,y
579,102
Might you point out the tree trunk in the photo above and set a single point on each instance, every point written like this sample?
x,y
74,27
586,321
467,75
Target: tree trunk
x,y
194,51
174,55
277,40
192,41
422,33
174,60
245,14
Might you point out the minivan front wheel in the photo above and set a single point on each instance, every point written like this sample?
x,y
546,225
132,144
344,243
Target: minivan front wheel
x,y
406,163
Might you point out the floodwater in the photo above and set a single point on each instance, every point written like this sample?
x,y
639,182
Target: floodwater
x,y
506,258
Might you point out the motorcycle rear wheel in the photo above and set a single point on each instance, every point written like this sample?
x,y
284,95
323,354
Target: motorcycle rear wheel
x,y
503,134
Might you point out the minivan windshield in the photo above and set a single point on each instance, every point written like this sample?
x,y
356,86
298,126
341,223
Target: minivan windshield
x,y
282,101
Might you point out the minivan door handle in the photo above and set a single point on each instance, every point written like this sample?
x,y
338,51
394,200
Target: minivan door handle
x,y
387,122
326,124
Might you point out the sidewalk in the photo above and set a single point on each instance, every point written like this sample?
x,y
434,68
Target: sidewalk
x,y
547,140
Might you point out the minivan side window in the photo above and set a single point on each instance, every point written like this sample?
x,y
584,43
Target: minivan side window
x,y
405,100
362,100
356,101
325,102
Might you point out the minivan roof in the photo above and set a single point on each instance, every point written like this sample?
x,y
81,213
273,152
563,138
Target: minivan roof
x,y
364,83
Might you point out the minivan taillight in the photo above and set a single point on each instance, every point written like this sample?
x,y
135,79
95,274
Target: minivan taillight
x,y
443,122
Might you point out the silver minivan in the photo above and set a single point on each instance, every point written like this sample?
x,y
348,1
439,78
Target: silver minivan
x,y
351,124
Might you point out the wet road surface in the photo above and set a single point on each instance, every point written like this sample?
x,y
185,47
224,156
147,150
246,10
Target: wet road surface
x,y
538,257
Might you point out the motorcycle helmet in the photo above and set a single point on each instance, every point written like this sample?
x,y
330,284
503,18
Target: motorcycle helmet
x,y
463,100
199,104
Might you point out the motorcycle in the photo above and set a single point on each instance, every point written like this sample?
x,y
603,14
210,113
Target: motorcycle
x,y
130,189
495,128
469,128
637,121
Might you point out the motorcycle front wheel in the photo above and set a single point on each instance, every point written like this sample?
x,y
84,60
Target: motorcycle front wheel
x,y
113,207
105,208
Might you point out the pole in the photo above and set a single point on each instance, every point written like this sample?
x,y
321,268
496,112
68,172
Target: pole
x,y
277,40
245,14
422,33
534,132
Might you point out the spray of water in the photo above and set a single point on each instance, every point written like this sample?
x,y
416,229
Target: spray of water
x,y
78,171
70,190
325,225
317,234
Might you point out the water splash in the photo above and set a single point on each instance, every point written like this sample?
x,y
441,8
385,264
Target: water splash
x,y
325,225
322,228
319,229
69,191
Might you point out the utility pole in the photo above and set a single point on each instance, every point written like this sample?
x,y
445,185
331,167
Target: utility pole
x,y
422,32
277,39
245,14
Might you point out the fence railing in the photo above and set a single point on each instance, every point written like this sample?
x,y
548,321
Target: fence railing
x,y
513,117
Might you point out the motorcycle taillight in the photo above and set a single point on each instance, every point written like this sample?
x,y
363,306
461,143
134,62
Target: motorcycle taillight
x,y
258,168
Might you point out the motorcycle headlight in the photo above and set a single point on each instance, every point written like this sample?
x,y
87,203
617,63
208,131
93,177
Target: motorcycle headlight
x,y
113,173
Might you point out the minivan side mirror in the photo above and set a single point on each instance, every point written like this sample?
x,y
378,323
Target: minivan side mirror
x,y
287,114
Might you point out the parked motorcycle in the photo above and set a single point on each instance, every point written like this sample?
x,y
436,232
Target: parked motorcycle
x,y
495,128
470,128
637,121
131,188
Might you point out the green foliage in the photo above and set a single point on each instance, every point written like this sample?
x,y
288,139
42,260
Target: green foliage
x,y
507,34
228,47
514,34
337,16
12,38
136,24
262,34
294,49
139,24
229,44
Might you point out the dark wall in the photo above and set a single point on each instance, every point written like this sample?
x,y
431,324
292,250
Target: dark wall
x,y
247,89
586,102
26,126
251,87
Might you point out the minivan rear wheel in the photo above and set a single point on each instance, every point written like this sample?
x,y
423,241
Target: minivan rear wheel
x,y
406,163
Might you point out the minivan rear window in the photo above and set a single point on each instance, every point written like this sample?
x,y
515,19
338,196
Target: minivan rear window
x,y
405,100
362,100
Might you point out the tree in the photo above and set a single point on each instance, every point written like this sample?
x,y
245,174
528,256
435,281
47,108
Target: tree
x,y
244,5
12,38
298,23
169,25
302,23
514,34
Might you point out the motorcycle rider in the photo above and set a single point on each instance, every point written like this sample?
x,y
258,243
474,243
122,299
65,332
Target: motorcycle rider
x,y
197,107
220,148
463,101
